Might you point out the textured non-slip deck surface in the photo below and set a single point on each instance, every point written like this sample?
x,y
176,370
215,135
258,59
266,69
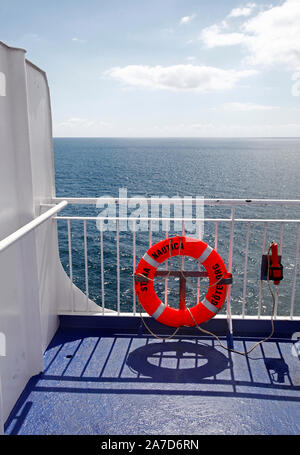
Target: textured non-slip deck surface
x,y
94,384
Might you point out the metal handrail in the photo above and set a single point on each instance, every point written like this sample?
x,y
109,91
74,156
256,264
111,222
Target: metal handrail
x,y
17,235
149,218
161,200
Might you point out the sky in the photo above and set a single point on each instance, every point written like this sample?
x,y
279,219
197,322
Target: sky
x,y
167,68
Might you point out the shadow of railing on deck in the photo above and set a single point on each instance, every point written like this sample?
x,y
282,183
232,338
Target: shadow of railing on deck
x,y
114,360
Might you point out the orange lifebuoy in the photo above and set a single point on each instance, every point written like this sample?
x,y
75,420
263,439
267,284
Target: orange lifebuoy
x,y
183,246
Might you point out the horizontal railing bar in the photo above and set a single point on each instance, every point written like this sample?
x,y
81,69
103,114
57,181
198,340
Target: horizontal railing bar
x,y
17,235
179,273
148,218
219,316
157,200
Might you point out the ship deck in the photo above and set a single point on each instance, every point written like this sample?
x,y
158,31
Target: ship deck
x,y
116,379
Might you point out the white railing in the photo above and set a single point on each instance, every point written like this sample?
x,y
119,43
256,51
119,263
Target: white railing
x,y
24,230
231,221
162,200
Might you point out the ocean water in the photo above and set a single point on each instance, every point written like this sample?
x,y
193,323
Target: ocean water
x,y
212,168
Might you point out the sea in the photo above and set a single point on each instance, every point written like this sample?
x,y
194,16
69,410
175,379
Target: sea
x,y
211,168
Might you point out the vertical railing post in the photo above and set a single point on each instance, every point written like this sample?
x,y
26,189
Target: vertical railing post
x,y
70,264
261,283
245,271
229,317
166,266
134,265
86,266
150,233
277,287
102,266
199,265
216,235
183,235
118,267
295,272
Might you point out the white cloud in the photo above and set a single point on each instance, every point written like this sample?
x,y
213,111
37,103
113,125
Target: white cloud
x,y
246,107
187,19
213,36
179,77
82,123
82,127
243,11
74,122
78,40
228,130
272,36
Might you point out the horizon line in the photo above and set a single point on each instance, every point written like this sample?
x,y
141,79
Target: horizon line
x,y
175,137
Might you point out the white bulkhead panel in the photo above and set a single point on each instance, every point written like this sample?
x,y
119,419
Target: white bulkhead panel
x,y
33,283
19,293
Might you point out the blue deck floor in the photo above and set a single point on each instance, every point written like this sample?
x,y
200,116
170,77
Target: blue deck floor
x,y
98,382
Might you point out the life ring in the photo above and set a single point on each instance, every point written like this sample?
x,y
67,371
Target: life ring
x,y
184,246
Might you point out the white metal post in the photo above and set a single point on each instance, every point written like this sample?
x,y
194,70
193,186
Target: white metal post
x,y
295,272
166,267
229,318
102,266
261,283
134,266
118,268
245,271
70,264
86,266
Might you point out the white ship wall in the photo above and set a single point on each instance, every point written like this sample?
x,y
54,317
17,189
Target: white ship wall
x,y
33,283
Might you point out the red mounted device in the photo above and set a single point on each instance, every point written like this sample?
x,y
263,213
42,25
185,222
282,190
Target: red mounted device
x,y
276,269
272,262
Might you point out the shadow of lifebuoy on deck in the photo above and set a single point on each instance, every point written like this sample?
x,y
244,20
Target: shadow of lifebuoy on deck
x,y
208,361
